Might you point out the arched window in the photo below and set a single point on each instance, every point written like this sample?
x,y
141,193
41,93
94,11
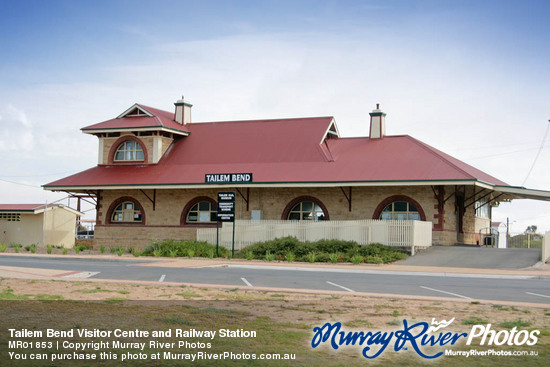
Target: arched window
x,y
399,207
305,208
199,211
130,150
400,210
202,212
126,211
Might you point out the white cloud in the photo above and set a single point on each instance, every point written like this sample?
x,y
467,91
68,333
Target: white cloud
x,y
441,96
15,129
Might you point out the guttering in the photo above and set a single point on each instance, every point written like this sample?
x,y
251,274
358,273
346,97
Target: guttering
x,y
142,128
271,184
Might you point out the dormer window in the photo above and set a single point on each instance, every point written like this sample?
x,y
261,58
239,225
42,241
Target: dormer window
x,y
129,151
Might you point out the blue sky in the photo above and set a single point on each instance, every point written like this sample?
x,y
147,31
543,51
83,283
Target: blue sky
x,y
468,77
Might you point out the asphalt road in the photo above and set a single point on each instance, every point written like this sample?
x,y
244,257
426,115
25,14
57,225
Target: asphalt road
x,y
502,288
475,257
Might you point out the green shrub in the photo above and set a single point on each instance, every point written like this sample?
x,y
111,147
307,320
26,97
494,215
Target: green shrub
x,y
325,250
102,249
31,248
290,256
120,251
3,247
385,253
79,248
190,253
49,249
64,251
182,248
278,246
131,250
311,257
356,259
335,257
322,257
112,250
269,256
335,246
136,253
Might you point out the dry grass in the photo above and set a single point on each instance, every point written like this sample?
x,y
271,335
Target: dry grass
x,y
284,321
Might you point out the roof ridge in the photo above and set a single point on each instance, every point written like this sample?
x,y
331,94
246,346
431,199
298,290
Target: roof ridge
x,y
431,149
264,120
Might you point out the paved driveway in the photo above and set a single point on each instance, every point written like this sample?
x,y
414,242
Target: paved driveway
x,y
475,257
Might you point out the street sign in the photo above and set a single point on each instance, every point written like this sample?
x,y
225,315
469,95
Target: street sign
x,y
226,206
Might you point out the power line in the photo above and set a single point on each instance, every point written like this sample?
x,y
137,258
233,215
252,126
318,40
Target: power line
x,y
19,183
538,153
41,175
506,153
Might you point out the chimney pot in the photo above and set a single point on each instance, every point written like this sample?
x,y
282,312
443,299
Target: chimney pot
x,y
182,114
377,123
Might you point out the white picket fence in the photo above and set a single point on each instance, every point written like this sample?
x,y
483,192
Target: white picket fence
x,y
409,234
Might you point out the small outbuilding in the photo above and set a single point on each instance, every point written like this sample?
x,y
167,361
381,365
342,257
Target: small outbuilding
x,y
39,224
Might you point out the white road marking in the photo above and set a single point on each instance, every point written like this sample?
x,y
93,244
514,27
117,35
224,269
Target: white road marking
x,y
339,286
452,294
162,278
536,294
246,282
380,272
82,274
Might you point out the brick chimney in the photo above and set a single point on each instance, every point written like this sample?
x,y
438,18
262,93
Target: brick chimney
x,y
377,123
183,112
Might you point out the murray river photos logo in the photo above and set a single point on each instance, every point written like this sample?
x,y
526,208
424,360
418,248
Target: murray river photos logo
x,y
417,336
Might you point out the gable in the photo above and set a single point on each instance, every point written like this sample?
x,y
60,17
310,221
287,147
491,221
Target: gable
x,y
135,111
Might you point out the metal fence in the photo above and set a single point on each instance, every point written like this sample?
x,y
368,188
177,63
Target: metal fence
x,y
396,233
524,240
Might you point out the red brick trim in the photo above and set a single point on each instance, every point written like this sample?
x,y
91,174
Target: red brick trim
x,y
391,199
119,142
295,201
187,208
117,202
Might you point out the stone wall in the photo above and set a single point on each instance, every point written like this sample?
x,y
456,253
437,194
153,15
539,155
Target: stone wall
x,y
165,220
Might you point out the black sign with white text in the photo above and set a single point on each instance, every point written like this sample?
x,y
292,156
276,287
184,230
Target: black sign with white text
x,y
227,177
226,206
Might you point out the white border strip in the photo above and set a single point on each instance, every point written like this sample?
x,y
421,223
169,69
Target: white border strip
x,y
340,286
82,274
536,294
246,282
162,277
452,294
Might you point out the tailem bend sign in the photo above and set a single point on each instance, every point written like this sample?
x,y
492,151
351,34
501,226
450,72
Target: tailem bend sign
x,y
227,177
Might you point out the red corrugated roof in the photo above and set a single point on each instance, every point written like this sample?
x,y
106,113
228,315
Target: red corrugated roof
x,y
159,119
280,151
